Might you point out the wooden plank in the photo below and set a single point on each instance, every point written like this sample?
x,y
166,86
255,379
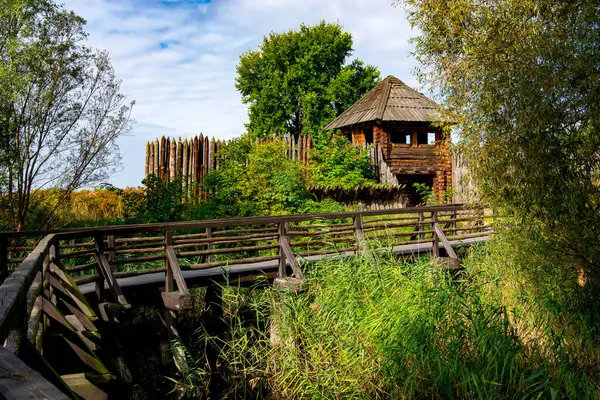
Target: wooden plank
x,y
444,240
175,270
18,381
85,321
282,262
70,287
358,232
177,301
14,289
289,255
89,359
107,272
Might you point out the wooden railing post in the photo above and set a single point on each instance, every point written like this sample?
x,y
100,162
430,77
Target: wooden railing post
x,y
209,244
435,251
282,261
169,273
3,256
358,232
453,218
111,246
421,219
99,284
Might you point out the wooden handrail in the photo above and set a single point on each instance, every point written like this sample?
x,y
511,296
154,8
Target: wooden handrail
x,y
72,233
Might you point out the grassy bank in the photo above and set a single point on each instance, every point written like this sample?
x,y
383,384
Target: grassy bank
x,y
399,329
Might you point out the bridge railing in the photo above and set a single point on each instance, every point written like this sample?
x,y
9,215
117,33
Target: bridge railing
x,y
133,250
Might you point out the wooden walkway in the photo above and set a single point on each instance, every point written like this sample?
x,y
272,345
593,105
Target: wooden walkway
x,y
75,283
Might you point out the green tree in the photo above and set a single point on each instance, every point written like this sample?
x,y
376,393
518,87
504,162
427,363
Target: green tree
x,y
61,110
522,78
297,81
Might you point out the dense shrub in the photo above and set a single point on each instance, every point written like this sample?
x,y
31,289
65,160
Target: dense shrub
x,y
336,163
256,179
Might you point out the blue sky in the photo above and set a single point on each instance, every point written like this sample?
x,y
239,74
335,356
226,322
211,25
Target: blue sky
x,y
177,58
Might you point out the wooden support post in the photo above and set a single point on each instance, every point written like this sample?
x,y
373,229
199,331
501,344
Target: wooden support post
x,y
169,272
283,227
435,252
453,217
358,232
171,300
209,244
111,246
106,270
421,219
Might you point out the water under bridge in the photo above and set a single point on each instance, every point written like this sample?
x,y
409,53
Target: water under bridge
x,y
65,289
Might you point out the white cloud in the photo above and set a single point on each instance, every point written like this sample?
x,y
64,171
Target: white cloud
x,y
177,59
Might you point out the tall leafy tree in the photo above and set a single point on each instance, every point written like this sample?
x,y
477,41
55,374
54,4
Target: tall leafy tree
x,y
61,109
298,81
522,77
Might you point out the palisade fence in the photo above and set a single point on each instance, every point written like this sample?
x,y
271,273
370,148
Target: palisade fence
x,y
189,160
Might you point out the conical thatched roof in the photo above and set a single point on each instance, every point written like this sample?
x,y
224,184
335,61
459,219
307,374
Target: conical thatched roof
x,y
390,100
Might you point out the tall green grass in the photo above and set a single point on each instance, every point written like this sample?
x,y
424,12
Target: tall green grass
x,y
380,328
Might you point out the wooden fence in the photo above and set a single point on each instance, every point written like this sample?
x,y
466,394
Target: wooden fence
x,y
189,160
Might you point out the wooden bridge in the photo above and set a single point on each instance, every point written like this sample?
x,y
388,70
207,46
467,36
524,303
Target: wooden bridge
x,y
64,290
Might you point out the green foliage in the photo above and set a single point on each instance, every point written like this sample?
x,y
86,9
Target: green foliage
x,y
296,82
428,198
159,202
520,78
255,179
336,163
390,330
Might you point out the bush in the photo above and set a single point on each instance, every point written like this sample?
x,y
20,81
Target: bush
x,y
336,163
159,202
255,179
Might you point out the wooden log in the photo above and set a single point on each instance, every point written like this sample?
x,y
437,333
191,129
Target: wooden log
x,y
190,182
151,167
162,158
184,169
156,157
179,161
213,160
147,161
210,239
82,267
168,160
172,161
241,249
196,180
202,243
249,260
